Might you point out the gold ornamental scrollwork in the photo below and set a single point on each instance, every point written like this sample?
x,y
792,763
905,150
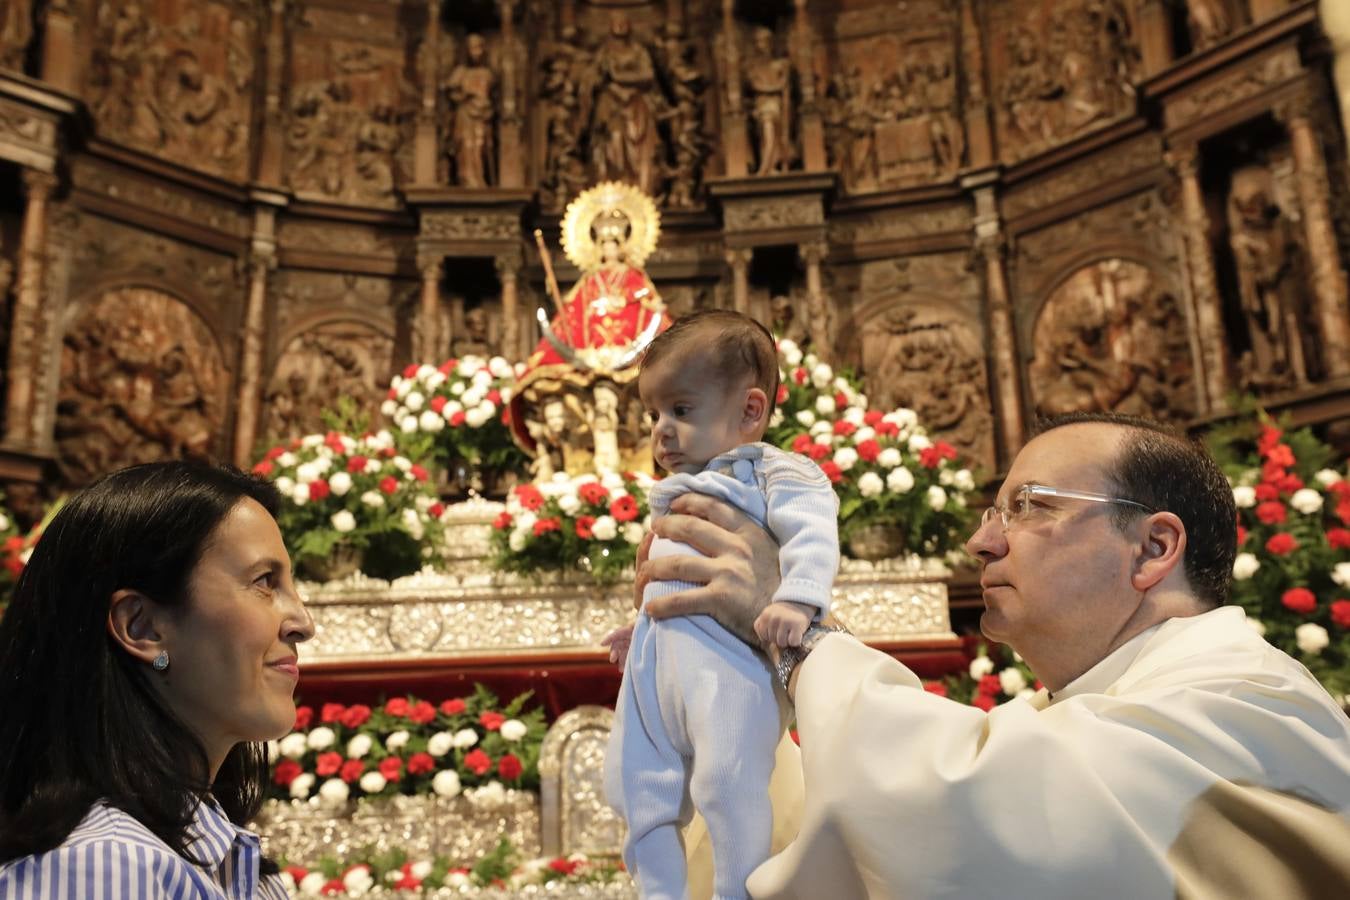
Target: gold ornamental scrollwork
x,y
610,199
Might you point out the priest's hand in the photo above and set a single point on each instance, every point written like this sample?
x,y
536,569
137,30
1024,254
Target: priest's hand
x,y
738,572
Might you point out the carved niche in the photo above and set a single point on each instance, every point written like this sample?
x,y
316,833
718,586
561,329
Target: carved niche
x,y
348,122
335,359
142,378
470,87
1110,338
175,80
891,109
1060,68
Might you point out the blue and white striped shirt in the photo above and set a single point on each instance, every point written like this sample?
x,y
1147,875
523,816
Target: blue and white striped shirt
x,y
112,856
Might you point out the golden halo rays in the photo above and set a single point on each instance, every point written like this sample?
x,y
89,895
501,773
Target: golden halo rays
x,y
644,220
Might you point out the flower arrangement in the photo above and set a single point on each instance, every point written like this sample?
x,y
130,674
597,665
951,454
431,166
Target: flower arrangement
x,y
990,680
15,548
356,495
457,410
408,746
394,873
1292,572
592,523
884,467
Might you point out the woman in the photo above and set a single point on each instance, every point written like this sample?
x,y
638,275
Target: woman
x,y
148,654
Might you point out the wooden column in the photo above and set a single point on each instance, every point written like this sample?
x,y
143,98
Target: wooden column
x,y
812,123
25,337
1155,36
510,149
975,116
429,311
1213,339
426,141
1005,373
817,307
60,55
735,140
1328,278
739,260
508,272
262,260
273,134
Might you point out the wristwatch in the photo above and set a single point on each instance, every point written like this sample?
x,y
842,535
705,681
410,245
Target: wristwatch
x,y
791,657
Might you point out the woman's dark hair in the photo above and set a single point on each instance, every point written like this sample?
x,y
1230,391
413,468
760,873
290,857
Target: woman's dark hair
x,y
80,720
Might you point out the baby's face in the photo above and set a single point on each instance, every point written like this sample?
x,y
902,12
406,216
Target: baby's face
x,y
694,417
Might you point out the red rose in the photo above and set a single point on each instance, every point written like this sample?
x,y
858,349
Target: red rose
x,y
509,767
1272,512
436,510
1270,436
887,429
297,873
563,866
356,715
422,712
477,762
624,509
14,566
286,771
872,417
868,450
799,375
274,453
356,464
1340,488
503,521
593,492
544,526
331,712
1281,543
397,707
1339,538
989,684
1340,613
832,471
930,457
352,770
327,763
1242,535
818,451
1281,455
802,443
389,484
1343,510
333,441
263,468
14,544
437,404
391,767
1300,600
935,687
983,701
491,720
448,366
529,496
410,370
844,428
421,764
392,393
457,418
782,394
303,716
840,400
319,489
583,527
333,886
453,707
417,472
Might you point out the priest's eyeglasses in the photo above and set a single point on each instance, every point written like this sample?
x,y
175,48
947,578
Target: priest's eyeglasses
x,y
1021,503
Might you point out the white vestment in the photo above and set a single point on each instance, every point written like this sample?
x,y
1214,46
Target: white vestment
x,y
1173,767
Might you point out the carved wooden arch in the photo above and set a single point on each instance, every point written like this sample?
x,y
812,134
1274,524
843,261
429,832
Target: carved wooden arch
x,y
120,281
382,325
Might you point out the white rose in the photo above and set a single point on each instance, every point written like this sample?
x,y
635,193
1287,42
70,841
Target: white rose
x,y
1245,566
373,499
446,783
373,466
806,417
1256,625
605,528
286,486
456,388
821,376
408,425
412,524
865,433
325,462
937,497
1327,477
465,738
964,480
458,880
288,882
499,367
517,540
273,750
472,397
440,743
490,794
569,503
340,483
825,404
397,741
343,521
307,472
845,458
1012,681
946,477
301,494
889,458
435,380
430,421
854,415
1306,501
477,417
372,782
1312,638
632,533
358,881
1244,497
513,730
918,442
870,484
792,354
981,666
448,411
334,792
286,460
425,371
359,746
1341,574
421,869
293,745
823,427
389,409
321,738
414,401
483,377
900,480
313,883
301,786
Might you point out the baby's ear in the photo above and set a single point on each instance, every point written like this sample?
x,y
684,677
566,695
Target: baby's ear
x,y
756,408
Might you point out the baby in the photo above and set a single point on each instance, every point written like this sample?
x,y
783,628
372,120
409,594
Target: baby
x,y
699,712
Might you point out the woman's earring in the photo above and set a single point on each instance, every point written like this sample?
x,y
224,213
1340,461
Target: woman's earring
x,y
161,662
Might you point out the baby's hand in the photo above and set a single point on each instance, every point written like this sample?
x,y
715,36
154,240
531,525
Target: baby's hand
x,y
783,623
617,641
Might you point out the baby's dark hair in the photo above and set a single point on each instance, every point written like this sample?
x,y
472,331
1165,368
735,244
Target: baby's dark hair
x,y
732,347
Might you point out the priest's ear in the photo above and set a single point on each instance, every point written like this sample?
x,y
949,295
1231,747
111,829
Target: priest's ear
x,y
1160,550
755,410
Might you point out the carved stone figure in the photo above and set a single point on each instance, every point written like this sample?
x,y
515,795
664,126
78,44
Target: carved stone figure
x,y
550,438
471,88
141,379
1266,254
787,324
1209,22
16,30
316,137
564,171
622,105
338,359
475,341
768,81
689,140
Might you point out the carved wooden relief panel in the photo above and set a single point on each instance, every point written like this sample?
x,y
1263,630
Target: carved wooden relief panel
x,y
16,32
142,378
176,79
334,359
1112,338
